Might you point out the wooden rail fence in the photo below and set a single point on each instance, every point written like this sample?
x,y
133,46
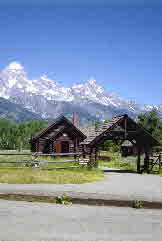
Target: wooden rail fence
x,y
35,163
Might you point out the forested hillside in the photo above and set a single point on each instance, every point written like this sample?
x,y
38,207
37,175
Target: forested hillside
x,y
17,136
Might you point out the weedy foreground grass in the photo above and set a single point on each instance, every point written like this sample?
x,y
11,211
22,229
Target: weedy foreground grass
x,y
116,161
34,176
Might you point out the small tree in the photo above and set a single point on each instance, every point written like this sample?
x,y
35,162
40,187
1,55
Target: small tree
x,y
151,122
111,146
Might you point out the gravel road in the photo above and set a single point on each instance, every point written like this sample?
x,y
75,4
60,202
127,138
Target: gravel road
x,y
125,186
24,221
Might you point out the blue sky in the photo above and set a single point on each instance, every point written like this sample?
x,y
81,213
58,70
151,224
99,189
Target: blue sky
x,y
118,44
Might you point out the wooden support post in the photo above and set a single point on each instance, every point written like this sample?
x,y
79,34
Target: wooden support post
x,y
76,145
84,150
139,161
75,149
96,158
146,162
125,129
37,146
160,161
90,157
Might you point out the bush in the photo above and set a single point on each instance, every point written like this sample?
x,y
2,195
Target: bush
x,y
157,149
63,199
137,204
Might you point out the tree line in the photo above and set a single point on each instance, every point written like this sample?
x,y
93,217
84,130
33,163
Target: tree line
x,y
16,136
152,123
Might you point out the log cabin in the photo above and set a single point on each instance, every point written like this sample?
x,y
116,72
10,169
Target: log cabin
x,y
64,136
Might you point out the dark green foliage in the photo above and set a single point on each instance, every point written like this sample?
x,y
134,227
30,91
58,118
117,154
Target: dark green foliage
x,y
152,123
16,136
110,146
157,148
137,204
63,199
106,121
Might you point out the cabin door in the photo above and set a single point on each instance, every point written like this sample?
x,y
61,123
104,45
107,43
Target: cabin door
x,y
58,147
65,146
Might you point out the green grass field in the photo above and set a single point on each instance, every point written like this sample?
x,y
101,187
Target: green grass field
x,y
118,162
43,164
29,176
9,173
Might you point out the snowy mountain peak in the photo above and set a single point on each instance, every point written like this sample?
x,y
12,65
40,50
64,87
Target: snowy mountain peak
x,y
91,81
44,77
34,94
14,66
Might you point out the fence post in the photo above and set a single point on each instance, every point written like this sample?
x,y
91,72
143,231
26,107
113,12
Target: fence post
x,y
139,161
160,161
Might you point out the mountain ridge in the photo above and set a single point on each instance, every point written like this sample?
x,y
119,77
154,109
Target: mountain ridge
x,y
16,112
47,98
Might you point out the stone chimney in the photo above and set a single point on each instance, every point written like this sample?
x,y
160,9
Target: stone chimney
x,y
75,119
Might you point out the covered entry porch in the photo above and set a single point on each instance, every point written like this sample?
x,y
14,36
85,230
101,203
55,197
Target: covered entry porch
x,y
119,129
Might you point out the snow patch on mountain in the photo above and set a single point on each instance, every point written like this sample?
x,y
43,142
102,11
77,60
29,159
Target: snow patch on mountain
x,y
14,66
36,94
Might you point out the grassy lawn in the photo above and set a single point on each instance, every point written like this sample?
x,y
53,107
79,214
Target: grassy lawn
x,y
12,158
60,176
115,160
160,174
59,159
29,176
118,162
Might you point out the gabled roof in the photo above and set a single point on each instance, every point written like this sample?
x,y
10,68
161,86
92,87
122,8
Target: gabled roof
x,y
96,133
118,126
95,136
53,131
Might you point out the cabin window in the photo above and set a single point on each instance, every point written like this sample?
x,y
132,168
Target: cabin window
x,y
51,147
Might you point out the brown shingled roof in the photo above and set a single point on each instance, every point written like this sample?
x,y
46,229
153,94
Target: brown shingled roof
x,y
97,131
98,135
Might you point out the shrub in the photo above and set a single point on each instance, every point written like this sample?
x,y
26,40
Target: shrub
x,y
137,204
63,199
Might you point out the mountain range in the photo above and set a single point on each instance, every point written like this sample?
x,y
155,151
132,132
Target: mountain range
x,y
44,98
